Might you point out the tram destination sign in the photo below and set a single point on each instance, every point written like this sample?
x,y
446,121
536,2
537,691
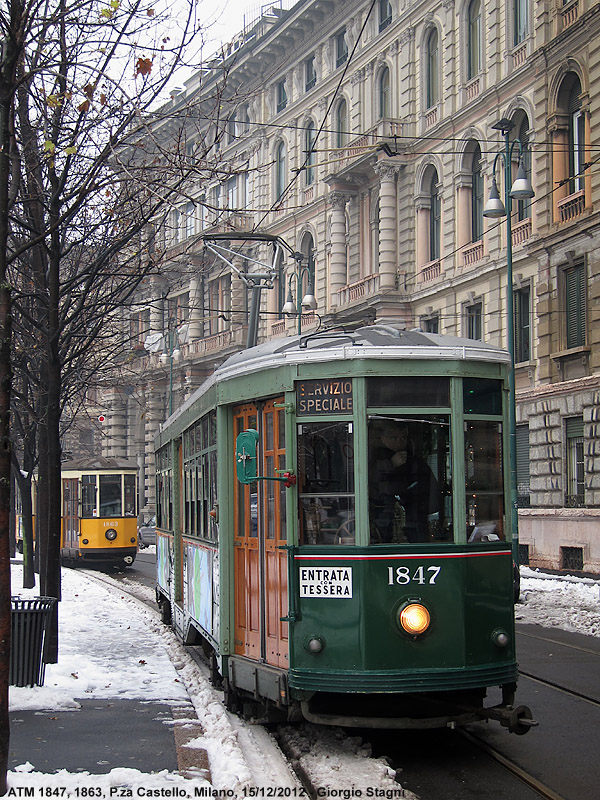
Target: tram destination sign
x,y
327,396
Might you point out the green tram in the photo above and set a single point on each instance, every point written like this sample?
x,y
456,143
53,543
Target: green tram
x,y
333,530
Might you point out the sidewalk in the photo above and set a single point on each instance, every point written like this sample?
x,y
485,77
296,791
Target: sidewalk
x,y
113,702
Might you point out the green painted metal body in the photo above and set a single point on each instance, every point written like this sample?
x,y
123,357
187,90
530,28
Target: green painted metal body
x,y
468,592
467,588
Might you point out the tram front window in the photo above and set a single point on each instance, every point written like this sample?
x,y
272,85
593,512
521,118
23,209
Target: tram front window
x,y
110,496
484,481
326,482
410,498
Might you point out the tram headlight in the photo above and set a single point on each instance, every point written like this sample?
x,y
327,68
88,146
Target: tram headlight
x,y
500,637
414,618
314,644
111,534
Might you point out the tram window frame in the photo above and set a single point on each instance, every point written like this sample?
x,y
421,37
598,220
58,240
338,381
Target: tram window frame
x,y
410,516
326,517
164,480
89,497
408,391
130,495
484,482
199,478
109,500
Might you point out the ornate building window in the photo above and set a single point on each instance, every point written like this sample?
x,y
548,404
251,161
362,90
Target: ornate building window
x,y
280,170
384,94
341,48
432,69
520,21
474,321
575,306
341,124
476,196
385,14
575,489
474,42
570,132
281,95
309,155
310,73
522,326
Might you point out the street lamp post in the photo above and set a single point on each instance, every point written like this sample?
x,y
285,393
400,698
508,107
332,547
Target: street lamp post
x,y
308,302
521,189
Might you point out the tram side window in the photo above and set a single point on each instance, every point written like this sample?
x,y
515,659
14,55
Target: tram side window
x,y
163,489
110,496
326,482
88,496
410,497
484,481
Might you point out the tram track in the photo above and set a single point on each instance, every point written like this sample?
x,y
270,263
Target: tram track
x,y
512,767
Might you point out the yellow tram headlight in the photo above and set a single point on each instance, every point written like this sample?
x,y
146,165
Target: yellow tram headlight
x,y
111,534
414,619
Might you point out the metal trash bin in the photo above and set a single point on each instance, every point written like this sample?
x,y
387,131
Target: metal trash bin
x,y
30,619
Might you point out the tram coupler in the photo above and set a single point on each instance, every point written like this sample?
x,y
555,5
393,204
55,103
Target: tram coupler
x,y
518,720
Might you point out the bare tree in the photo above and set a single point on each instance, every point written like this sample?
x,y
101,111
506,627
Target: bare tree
x,y
82,172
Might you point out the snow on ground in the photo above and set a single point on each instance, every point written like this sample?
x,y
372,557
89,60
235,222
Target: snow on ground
x,y
112,646
559,601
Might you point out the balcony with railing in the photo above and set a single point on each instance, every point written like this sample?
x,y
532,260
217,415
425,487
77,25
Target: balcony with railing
x,y
519,55
569,13
472,254
572,206
472,89
521,231
357,291
430,271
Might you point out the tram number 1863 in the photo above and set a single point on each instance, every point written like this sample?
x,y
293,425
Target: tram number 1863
x,y
404,575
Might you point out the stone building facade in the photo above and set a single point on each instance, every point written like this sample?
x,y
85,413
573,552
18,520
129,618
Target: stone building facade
x,y
365,135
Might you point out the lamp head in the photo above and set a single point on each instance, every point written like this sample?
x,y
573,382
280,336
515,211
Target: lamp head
x,y
309,301
289,307
522,188
494,207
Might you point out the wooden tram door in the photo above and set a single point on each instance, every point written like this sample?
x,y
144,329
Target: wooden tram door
x,y
259,531
70,512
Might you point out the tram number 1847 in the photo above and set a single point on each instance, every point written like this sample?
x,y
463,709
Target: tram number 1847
x,y
402,575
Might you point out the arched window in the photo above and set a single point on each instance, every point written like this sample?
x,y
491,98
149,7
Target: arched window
x,y
307,248
435,217
384,94
432,93
474,39
576,138
341,124
280,170
309,155
476,196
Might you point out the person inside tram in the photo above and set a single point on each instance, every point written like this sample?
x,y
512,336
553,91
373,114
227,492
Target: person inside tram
x,y
403,491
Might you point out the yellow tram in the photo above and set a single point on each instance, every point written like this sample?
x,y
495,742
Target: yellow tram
x,y
99,511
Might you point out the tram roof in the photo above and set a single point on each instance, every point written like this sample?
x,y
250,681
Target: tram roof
x,y
372,341
369,342
97,464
